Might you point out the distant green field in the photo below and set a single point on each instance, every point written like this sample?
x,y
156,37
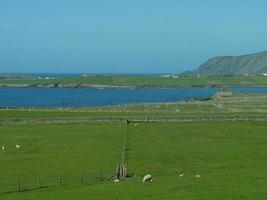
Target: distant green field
x,y
230,157
142,81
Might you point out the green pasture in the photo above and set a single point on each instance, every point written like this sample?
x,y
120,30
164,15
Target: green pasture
x,y
230,158
53,150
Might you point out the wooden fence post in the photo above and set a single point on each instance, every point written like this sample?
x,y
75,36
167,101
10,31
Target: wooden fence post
x,y
81,177
118,172
19,189
100,176
125,170
60,180
39,182
121,171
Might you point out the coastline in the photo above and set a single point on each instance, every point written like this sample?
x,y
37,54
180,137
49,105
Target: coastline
x,y
119,86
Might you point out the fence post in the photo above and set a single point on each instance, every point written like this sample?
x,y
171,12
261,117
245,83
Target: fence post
x,y
100,175
125,170
81,177
39,182
121,171
118,172
19,189
60,180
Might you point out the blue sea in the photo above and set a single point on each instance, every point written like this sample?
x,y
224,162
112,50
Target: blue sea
x,y
88,97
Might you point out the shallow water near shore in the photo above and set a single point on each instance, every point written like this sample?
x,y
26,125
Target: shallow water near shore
x,y
87,97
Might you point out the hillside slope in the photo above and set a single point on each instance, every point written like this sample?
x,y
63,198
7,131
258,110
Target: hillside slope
x,y
234,65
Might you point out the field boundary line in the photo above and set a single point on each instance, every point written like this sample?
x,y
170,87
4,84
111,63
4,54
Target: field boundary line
x,y
107,119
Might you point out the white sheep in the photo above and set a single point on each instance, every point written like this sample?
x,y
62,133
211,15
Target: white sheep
x,y
3,148
197,176
17,146
116,180
147,178
181,175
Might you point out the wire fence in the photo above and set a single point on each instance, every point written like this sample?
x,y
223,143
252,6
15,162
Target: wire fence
x,y
31,182
10,183
106,119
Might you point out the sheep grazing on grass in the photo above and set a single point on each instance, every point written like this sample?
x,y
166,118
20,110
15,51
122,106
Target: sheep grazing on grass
x,y
116,180
3,148
197,176
147,178
181,175
135,124
17,146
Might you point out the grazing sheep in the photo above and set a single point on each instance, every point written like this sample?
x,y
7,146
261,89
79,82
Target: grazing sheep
x,y
197,176
135,124
17,146
181,175
147,178
3,148
116,180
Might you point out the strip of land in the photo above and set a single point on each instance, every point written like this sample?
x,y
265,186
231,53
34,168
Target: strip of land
x,y
238,107
127,81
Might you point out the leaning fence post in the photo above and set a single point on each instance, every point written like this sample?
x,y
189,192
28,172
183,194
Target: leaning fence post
x,y
39,182
18,183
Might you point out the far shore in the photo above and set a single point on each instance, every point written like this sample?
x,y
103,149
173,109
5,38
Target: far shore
x,y
115,86
134,82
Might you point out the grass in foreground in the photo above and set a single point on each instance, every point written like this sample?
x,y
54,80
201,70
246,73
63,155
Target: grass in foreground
x,y
229,156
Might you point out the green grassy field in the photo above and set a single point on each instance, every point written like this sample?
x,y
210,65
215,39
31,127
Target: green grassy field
x,y
140,81
53,150
230,157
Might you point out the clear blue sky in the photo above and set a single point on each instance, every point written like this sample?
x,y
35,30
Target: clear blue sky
x,y
126,36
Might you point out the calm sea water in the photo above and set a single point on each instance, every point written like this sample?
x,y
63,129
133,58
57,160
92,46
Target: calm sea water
x,y
84,97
